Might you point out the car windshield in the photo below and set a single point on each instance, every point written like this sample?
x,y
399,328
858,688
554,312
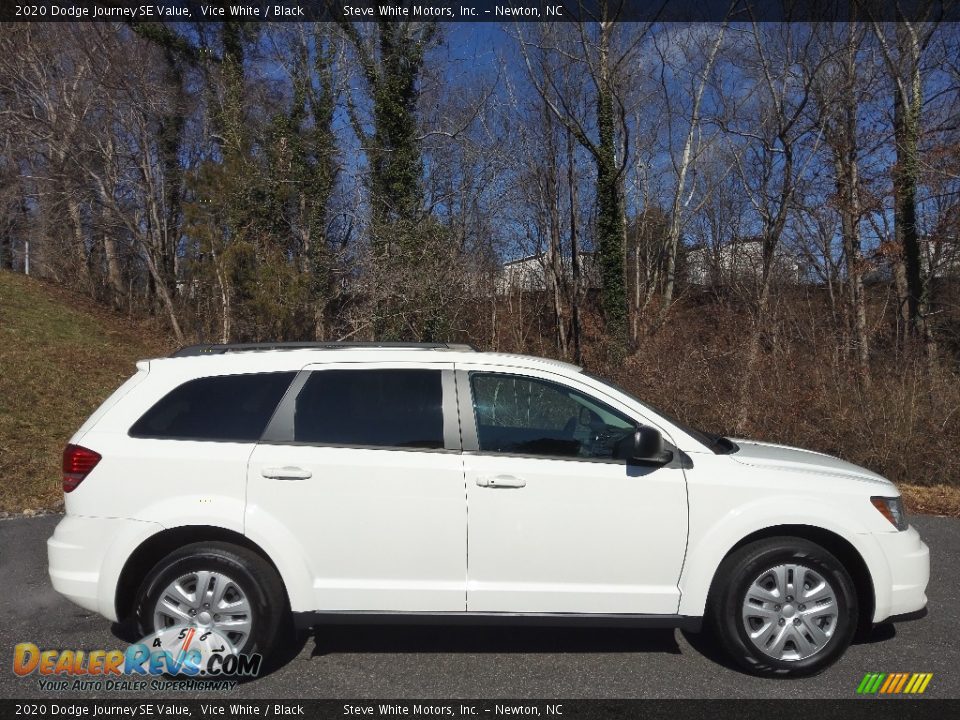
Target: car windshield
x,y
718,444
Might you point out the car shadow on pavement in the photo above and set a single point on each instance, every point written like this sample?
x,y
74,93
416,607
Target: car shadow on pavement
x,y
332,639
705,644
877,634
125,631
291,645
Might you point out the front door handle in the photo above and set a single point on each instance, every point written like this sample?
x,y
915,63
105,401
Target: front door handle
x,y
501,481
286,473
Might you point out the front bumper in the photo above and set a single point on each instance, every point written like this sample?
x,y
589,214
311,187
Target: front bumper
x,y
908,560
86,556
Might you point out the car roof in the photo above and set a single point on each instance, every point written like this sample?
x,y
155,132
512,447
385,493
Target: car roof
x,y
229,359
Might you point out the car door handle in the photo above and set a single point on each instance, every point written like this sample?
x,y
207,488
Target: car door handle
x,y
501,481
286,473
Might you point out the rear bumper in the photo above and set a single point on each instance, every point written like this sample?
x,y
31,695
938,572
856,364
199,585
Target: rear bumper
x,y
908,560
86,556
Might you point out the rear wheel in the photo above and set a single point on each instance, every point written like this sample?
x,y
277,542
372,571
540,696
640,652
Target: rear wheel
x,y
215,586
788,608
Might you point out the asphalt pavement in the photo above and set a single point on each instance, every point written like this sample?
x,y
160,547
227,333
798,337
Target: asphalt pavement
x,y
487,663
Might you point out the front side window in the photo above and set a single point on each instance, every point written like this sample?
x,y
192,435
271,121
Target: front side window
x,y
225,407
379,408
528,416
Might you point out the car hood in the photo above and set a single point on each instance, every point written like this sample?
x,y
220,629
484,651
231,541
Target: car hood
x,y
784,457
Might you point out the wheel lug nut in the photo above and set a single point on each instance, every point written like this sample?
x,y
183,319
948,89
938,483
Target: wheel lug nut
x,y
789,598
216,617
796,621
777,608
802,608
193,612
781,622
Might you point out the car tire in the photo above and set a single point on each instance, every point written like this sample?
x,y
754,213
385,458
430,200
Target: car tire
x,y
248,577
783,606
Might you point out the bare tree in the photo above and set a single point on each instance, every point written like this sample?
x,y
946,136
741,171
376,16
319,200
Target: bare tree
x,y
903,54
837,92
684,164
771,130
601,51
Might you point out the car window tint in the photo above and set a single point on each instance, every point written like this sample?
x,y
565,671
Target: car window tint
x,y
225,407
380,408
528,416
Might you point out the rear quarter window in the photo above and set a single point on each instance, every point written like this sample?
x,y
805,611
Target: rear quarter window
x,y
371,408
225,408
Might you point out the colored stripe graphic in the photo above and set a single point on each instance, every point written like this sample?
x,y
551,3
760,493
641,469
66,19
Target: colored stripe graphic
x,y
894,683
903,681
918,683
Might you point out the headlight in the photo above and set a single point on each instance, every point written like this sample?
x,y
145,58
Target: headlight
x,y
892,509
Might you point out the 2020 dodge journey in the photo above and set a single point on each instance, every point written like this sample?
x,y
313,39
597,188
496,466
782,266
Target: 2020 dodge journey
x,y
228,486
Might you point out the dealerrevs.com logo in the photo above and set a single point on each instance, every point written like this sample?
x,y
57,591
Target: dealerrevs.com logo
x,y
191,657
894,683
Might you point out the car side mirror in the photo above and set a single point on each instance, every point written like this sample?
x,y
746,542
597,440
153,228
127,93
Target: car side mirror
x,y
644,447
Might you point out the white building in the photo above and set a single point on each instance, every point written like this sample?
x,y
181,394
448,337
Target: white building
x,y
739,260
527,274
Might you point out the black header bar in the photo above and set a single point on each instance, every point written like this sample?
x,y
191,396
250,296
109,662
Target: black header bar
x,y
477,10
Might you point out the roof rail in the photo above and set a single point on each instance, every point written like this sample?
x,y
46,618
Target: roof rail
x,y
221,349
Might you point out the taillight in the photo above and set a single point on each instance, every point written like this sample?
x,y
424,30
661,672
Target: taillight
x,y
77,464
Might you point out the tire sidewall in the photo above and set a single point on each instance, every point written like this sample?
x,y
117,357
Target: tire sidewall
x,y
750,566
263,624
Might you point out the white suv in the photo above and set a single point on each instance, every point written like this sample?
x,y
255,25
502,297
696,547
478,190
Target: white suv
x,y
230,485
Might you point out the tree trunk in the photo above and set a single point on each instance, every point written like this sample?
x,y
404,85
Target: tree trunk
x,y
552,261
165,297
609,207
576,294
906,177
753,355
850,229
79,245
849,195
6,250
114,273
842,139
773,230
226,312
905,72
686,159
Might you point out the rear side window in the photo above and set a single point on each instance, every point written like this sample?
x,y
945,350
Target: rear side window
x,y
226,407
379,408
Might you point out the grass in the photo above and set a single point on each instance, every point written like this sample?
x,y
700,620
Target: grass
x,y
932,500
61,355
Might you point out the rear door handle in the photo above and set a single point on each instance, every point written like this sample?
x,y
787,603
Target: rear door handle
x,y
501,481
286,473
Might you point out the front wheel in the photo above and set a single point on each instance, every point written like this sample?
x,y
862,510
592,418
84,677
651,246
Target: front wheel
x,y
788,608
214,586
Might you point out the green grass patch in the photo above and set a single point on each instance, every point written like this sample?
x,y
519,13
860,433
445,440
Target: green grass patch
x,y
61,355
